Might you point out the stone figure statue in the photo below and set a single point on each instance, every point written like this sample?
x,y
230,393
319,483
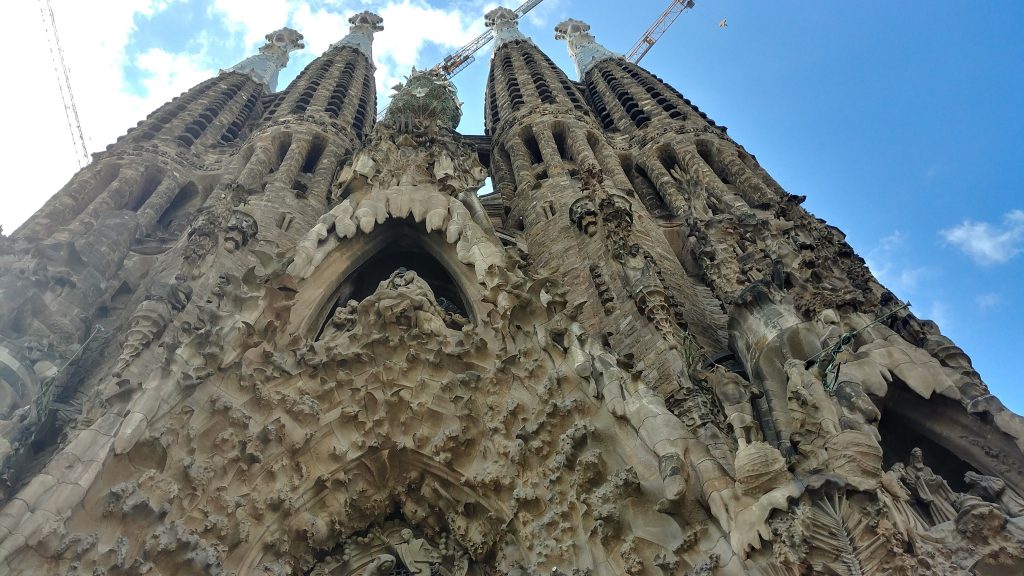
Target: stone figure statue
x,y
854,452
407,300
930,488
896,494
343,320
858,412
813,416
639,272
240,229
734,393
659,429
583,214
995,490
416,553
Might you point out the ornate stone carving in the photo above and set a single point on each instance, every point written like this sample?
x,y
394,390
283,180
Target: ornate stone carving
x,y
583,214
929,488
162,301
241,228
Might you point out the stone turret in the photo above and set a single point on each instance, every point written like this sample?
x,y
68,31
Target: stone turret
x,y
213,115
309,130
566,193
93,241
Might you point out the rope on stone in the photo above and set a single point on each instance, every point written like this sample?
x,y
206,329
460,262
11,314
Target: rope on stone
x,y
830,378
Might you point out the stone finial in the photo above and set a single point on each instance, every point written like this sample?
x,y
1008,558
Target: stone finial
x,y
360,35
505,24
583,47
273,56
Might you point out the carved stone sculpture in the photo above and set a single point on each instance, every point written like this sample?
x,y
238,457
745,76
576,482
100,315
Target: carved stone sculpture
x,y
163,300
929,488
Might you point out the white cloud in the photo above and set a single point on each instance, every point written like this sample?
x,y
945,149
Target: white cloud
x,y
168,74
320,28
986,243
939,313
408,26
96,46
988,301
94,41
887,262
253,18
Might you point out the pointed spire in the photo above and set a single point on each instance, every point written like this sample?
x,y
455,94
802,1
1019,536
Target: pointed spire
x,y
505,24
583,47
360,35
273,56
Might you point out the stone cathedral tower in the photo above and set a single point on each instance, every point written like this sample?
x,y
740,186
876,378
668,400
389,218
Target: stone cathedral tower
x,y
265,334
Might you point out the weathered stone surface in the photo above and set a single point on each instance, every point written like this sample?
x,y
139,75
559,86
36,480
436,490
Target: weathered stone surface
x,y
296,341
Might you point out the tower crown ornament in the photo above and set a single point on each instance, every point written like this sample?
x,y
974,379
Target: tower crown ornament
x,y
427,94
360,35
505,23
265,66
583,47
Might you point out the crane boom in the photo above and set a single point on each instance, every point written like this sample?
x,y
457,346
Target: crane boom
x,y
644,44
64,83
457,61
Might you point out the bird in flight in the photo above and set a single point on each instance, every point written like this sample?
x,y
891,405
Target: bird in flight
x,y
722,23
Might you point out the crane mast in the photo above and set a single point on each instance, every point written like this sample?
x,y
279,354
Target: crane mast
x,y
644,44
64,83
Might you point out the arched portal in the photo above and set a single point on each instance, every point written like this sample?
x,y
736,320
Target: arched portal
x,y
354,270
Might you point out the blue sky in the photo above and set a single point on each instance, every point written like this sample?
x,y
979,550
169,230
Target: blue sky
x,y
900,121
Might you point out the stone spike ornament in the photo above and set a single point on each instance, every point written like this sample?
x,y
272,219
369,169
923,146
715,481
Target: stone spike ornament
x,y
307,346
505,24
273,57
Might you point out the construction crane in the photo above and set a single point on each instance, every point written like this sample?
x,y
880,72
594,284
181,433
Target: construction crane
x,y
64,83
458,61
644,44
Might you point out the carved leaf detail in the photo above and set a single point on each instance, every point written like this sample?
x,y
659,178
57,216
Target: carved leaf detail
x,y
841,536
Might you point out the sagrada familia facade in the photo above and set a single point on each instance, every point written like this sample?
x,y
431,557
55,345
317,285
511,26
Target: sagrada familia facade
x,y
264,333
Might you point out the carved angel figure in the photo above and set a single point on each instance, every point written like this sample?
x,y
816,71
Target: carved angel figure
x,y
343,320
